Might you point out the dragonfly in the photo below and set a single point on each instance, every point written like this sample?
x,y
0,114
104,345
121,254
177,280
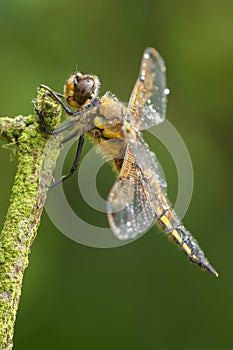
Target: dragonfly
x,y
138,197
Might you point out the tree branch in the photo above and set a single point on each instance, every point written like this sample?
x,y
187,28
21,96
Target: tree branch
x,y
37,154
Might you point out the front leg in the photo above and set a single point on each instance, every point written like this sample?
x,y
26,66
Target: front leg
x,y
56,97
45,126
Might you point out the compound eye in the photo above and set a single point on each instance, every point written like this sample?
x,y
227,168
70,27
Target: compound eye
x,y
86,86
80,89
75,79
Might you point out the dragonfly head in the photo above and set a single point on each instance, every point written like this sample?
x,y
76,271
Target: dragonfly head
x,y
80,89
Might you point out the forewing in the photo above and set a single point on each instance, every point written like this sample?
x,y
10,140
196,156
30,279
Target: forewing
x,y
131,201
148,100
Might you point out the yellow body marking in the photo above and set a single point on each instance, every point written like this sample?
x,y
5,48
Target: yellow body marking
x,y
175,234
187,249
166,221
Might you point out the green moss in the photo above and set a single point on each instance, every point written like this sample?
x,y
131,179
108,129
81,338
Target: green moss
x,y
26,203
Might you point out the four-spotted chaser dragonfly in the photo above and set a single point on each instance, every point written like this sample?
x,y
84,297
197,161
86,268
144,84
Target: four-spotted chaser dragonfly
x,y
138,197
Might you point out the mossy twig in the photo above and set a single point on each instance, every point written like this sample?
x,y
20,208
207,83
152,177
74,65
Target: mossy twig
x,y
36,160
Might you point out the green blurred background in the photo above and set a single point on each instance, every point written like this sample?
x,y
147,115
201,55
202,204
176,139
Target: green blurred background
x,y
145,295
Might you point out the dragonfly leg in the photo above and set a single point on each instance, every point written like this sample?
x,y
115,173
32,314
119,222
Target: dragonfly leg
x,y
45,126
75,163
68,110
56,96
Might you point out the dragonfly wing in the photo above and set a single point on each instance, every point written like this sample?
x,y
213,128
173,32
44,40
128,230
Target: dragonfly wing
x,y
148,100
146,160
131,201
76,126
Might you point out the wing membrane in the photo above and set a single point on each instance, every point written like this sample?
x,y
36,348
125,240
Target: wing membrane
x,y
133,199
130,204
148,99
147,162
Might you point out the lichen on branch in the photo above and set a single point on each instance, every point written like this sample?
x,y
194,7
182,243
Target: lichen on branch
x,y
26,203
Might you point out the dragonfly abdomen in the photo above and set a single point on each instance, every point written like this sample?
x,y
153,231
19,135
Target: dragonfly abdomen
x,y
181,236
171,224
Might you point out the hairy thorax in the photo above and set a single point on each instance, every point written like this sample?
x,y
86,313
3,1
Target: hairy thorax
x,y
107,132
